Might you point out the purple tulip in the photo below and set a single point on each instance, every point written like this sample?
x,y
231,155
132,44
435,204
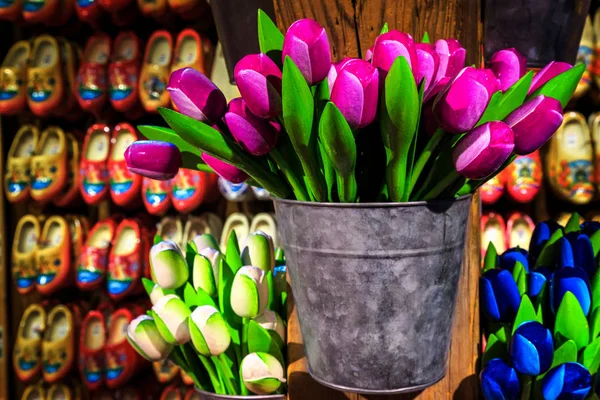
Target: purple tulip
x,y
483,150
460,105
534,123
255,135
227,171
153,159
369,54
548,72
334,70
196,96
509,66
427,63
452,58
259,81
435,88
389,46
307,45
355,92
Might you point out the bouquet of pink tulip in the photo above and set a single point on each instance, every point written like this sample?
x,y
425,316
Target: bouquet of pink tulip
x,y
408,123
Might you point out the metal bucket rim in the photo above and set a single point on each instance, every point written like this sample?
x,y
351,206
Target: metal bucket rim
x,y
373,205
237,397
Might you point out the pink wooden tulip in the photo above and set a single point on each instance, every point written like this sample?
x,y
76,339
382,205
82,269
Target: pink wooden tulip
x,y
452,58
334,70
355,92
483,150
548,72
435,89
307,45
509,66
389,46
427,64
259,81
462,102
534,123
196,96
153,159
227,171
255,135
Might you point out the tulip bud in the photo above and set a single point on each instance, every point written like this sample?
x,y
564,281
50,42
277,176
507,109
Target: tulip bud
x,y
171,314
427,64
534,123
452,58
460,105
196,96
509,66
255,135
483,150
209,331
225,170
570,380
271,321
250,292
536,280
356,92
259,81
144,337
307,45
259,251
551,70
389,46
433,91
262,373
203,276
169,268
334,71
158,293
574,280
500,298
532,349
200,242
583,253
153,159
499,381
510,257
541,235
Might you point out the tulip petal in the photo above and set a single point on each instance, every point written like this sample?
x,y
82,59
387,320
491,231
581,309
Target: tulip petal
x,y
225,170
489,304
153,159
196,96
524,356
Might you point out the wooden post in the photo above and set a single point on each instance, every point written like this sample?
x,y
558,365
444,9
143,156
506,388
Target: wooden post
x,y
352,26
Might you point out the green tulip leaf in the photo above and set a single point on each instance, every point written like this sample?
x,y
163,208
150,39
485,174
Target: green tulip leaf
x,y
425,38
261,341
571,323
525,313
384,29
573,223
590,357
594,321
232,253
410,162
562,86
226,276
595,239
321,100
522,282
548,253
298,112
490,261
270,38
148,285
494,349
339,145
539,312
502,104
501,331
193,298
157,239
595,286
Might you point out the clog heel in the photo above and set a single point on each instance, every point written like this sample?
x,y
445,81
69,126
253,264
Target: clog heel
x,y
13,78
45,82
58,346
493,230
585,55
207,223
17,172
519,229
171,228
34,392
265,222
60,391
49,165
27,361
54,256
24,252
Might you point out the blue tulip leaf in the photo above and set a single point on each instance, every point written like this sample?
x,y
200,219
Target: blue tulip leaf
x,y
502,104
490,260
270,38
426,38
573,223
567,352
562,86
595,289
261,341
494,349
590,357
594,321
595,239
526,313
571,323
384,29
548,254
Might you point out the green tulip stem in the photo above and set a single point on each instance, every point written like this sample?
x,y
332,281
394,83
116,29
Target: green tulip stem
x,y
244,346
212,374
429,149
178,358
526,384
295,183
439,188
225,372
347,188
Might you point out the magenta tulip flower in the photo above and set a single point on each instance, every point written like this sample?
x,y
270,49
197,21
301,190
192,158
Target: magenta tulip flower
x,y
509,66
334,70
427,64
435,89
196,96
452,58
548,72
153,159
255,135
534,123
460,105
259,81
227,171
483,150
307,45
390,45
355,92
369,54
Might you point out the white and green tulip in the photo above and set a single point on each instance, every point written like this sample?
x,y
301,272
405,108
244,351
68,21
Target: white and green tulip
x,y
209,332
171,314
203,241
271,321
214,256
169,268
158,293
203,276
144,337
249,292
262,373
259,251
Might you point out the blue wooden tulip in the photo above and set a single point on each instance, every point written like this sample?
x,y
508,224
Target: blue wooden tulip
x,y
565,253
541,234
583,254
567,381
510,257
499,381
572,280
536,280
500,297
590,227
531,349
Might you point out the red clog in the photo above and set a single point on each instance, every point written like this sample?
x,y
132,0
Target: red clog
x,y
92,366
36,11
92,80
126,260
524,177
192,188
93,262
171,393
94,181
122,361
114,5
519,228
492,190
156,196
493,229
88,10
125,186
10,10
124,72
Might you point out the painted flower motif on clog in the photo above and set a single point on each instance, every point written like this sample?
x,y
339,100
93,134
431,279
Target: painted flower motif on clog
x,y
41,87
93,266
33,5
234,191
121,179
576,177
115,364
53,361
11,82
155,86
24,273
123,80
48,268
17,180
85,3
156,195
28,358
93,367
94,179
122,273
92,82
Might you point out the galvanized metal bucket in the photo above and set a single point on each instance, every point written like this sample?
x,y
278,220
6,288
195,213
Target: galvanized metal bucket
x,y
212,396
375,288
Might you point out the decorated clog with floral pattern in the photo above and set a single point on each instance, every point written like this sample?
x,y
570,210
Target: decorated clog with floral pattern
x,y
156,71
24,249
13,78
49,165
17,173
125,186
27,352
93,169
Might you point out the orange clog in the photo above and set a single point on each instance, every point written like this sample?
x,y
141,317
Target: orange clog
x,y
192,188
156,196
519,228
59,344
70,192
54,256
92,363
27,360
10,10
24,253
126,260
493,229
36,11
153,8
13,77
93,261
192,50
17,172
45,83
156,71
524,177
49,165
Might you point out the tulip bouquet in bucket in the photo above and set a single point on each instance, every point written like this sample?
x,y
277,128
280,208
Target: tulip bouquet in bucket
x,y
217,315
542,315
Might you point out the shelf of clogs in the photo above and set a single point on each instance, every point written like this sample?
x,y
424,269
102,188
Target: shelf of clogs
x,y
66,114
